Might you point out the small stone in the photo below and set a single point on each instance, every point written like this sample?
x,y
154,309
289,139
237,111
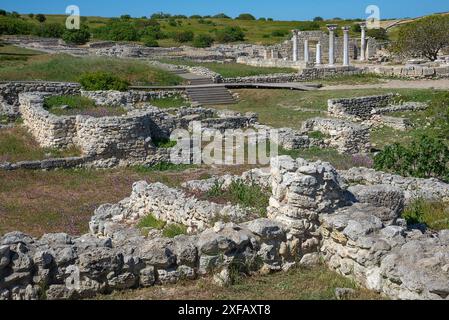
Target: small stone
x,y
344,293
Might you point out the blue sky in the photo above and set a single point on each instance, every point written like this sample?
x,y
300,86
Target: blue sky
x,y
277,9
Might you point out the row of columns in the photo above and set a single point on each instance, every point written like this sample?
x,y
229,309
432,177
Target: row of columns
x,y
331,29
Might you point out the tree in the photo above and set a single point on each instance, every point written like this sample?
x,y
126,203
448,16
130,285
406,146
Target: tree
x,y
31,15
3,12
202,41
245,16
49,30
221,16
40,17
356,28
308,26
424,37
318,19
75,36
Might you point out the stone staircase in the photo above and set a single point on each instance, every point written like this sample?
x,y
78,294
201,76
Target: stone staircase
x,y
212,95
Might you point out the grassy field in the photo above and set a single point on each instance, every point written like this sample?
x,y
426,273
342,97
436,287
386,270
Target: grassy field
x,y
287,108
78,105
38,202
231,69
61,67
17,144
318,283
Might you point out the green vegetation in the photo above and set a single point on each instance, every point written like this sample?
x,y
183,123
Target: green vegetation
x,y
17,144
150,221
75,36
231,69
175,101
296,284
163,166
172,230
74,105
61,67
248,196
434,215
426,157
202,41
164,143
102,81
425,37
169,230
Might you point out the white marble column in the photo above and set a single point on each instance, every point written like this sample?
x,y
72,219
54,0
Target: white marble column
x,y
345,46
332,28
306,51
295,45
363,42
318,54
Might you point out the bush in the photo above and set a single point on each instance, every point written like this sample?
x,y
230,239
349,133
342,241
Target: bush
x,y
230,34
279,33
118,30
125,17
249,196
262,19
183,36
160,15
202,41
40,17
3,12
150,42
379,34
426,157
102,81
150,221
49,30
10,25
221,16
75,36
245,16
356,28
318,19
195,16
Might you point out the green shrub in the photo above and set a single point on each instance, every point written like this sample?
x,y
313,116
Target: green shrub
x,y
3,12
245,16
49,30
150,42
203,41
433,214
279,33
230,34
150,221
183,36
118,30
216,190
163,166
426,157
40,17
102,81
12,26
164,143
318,19
76,36
173,229
379,34
221,16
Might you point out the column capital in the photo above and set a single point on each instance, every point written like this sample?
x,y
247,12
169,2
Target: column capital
x,y
346,28
362,25
332,27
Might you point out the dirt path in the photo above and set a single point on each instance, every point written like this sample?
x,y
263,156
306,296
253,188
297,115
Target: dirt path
x,y
441,84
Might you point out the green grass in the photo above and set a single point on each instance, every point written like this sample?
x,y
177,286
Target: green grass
x,y
80,105
172,230
164,143
318,283
150,221
61,67
17,144
231,69
12,56
163,166
170,102
433,214
354,79
248,196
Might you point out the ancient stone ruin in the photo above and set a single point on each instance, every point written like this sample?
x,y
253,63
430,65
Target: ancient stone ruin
x,y
312,215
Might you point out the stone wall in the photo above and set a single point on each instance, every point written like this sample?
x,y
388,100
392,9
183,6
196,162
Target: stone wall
x,y
345,136
306,74
411,71
359,108
9,92
414,188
